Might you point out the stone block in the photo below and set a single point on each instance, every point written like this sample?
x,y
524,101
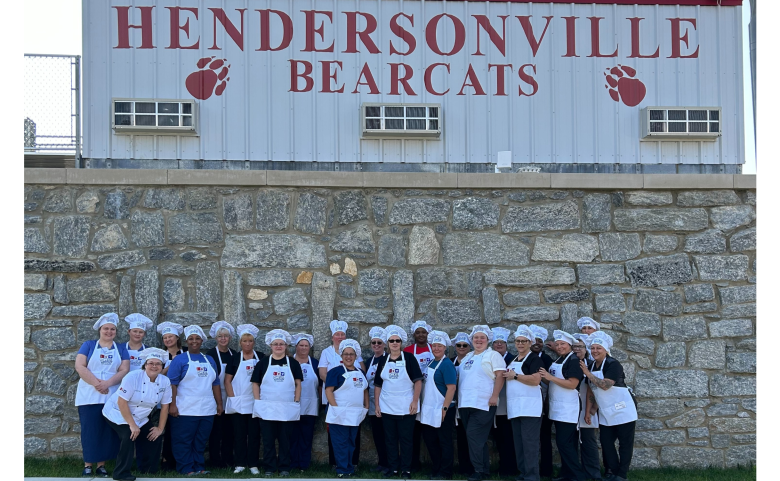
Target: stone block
x,y
687,328
733,216
659,438
537,276
733,425
642,323
169,198
109,238
273,210
83,310
491,305
569,248
419,211
689,419
723,385
423,246
601,274
403,298
121,260
707,354
645,458
474,213
744,240
661,384
707,198
373,282
530,314
699,292
477,248
596,215
364,316
546,217
441,282
708,242
270,278
641,344
660,243
737,294
666,303
237,211
207,286
350,206
741,456
738,310
147,286
610,302
458,311
173,295
392,251
47,425
194,229
379,210
619,247
648,198
670,354
289,301
696,433
722,268
665,219
35,282
40,405
34,446
88,203
722,409
659,271
201,198
71,234
36,306
741,362
92,289
66,444
691,457
117,206
358,240
731,328
272,250
554,296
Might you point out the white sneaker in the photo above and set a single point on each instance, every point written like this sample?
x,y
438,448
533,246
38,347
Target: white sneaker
x,y
254,471
239,469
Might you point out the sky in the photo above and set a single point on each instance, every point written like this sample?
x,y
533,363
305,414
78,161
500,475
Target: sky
x,y
56,29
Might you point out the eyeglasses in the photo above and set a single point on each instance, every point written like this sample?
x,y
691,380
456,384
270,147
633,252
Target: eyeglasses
x,y
461,345
348,354
393,341
377,343
577,348
523,341
154,364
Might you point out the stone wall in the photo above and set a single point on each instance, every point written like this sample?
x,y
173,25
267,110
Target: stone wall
x,y
670,274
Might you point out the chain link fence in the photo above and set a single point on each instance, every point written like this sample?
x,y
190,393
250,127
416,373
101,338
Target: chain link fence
x,y
52,104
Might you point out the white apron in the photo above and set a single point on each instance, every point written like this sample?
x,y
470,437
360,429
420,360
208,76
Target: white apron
x,y
522,399
457,371
243,399
194,396
564,403
397,389
334,356
135,359
104,363
594,419
277,395
615,404
370,376
433,401
423,358
349,410
222,378
474,385
310,406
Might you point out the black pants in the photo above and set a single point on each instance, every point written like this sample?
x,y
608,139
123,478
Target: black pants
x,y
464,462
169,462
567,439
399,431
378,431
276,431
545,447
589,453
439,444
416,445
478,424
301,440
502,435
355,455
624,433
525,431
246,440
148,451
221,442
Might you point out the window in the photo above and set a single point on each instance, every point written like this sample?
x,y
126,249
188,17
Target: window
x,y
401,120
680,123
156,115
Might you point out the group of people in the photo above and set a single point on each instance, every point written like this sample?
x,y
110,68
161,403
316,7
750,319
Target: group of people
x,y
231,400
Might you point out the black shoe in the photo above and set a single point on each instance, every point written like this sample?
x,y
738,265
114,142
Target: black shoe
x,y
406,475
284,474
101,472
475,477
391,474
87,473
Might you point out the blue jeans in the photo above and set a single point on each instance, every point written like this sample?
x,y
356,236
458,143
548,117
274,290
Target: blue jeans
x,y
343,439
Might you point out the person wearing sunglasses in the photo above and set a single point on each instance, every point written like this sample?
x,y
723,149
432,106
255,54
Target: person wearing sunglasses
x,y
589,418
397,387
502,429
377,335
462,347
545,433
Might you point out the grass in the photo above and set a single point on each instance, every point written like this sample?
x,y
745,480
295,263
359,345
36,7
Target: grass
x,y
72,466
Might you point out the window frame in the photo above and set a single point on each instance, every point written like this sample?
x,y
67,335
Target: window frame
x,y
155,129
714,125
383,133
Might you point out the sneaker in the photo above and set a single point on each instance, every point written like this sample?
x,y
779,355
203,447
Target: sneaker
x,y
269,474
475,477
377,469
238,469
254,471
204,472
391,474
87,473
406,475
284,474
101,472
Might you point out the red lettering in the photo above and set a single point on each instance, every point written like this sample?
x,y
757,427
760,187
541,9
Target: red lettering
x,y
353,33
402,33
635,40
429,82
265,30
498,41
366,72
306,75
527,79
123,27
310,31
232,31
395,79
525,22
472,81
595,50
500,69
677,39
571,43
176,26
328,76
430,34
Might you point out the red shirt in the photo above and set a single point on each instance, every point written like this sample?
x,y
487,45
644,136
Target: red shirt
x,y
419,349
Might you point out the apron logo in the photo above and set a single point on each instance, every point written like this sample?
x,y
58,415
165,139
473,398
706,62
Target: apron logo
x,y
202,371
394,373
249,370
278,376
468,365
358,381
106,358
123,390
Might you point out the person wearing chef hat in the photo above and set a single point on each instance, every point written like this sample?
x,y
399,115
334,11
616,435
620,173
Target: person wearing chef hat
x,y
502,428
303,429
617,410
587,325
101,364
137,325
437,413
479,385
170,333
545,433
589,419
563,377
221,438
462,348
276,387
240,401
329,358
197,398
128,412
397,387
422,351
346,390
377,338
524,403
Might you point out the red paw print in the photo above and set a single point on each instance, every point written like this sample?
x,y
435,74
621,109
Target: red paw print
x,y
623,86
201,84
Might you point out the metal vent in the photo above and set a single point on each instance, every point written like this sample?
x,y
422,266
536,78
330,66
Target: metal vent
x,y
401,120
681,123
155,115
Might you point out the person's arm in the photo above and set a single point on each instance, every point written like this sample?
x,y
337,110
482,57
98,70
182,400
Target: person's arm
x,y
229,385
218,398
533,378
173,410
158,430
124,409
84,373
323,372
415,397
124,368
297,397
377,393
363,367
330,396
602,384
498,384
448,399
256,391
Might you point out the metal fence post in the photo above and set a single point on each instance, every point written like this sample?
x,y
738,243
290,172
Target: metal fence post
x,y
77,62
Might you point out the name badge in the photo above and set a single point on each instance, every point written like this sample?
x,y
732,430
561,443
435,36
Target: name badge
x,y
620,405
400,363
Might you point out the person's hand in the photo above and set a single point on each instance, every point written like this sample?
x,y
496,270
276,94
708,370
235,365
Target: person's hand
x,y
587,418
102,387
154,433
493,401
173,410
134,432
220,409
584,367
508,374
545,375
443,414
413,408
377,411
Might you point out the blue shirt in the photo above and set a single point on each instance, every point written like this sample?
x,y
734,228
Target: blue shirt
x,y
180,364
88,348
336,377
446,374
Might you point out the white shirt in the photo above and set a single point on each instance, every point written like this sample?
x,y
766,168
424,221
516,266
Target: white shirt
x,y
329,358
141,394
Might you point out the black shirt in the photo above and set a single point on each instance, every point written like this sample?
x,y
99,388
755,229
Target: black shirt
x,y
531,365
232,367
546,360
262,367
571,368
613,370
227,358
412,368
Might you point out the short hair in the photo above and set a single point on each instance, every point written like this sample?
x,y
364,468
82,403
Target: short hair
x,y
221,329
244,335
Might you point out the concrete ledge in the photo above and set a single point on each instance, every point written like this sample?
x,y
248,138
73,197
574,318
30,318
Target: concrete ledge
x,y
117,176
597,181
504,181
745,181
411,180
689,181
45,176
225,177
309,178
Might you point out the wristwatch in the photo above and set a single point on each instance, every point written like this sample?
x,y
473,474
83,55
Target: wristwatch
x,y
444,408
515,377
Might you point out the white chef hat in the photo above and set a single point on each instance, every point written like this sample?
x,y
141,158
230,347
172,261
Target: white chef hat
x,y
602,339
587,321
526,332
483,328
190,330
168,327
501,334
559,335
581,337
219,325
539,332
275,334
461,337
439,337
393,330
107,318
247,329
420,324
377,332
353,344
302,336
137,320
153,353
338,326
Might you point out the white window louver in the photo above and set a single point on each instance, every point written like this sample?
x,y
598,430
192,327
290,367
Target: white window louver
x,y
681,123
401,120
154,115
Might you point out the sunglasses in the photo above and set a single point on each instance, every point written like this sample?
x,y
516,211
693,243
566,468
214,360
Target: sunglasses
x,y
377,343
461,345
393,341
